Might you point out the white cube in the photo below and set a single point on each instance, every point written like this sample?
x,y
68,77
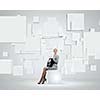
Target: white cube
x,y
53,77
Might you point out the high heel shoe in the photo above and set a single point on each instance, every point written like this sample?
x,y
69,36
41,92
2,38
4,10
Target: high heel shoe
x,y
44,81
39,83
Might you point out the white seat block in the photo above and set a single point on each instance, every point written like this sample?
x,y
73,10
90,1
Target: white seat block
x,y
53,77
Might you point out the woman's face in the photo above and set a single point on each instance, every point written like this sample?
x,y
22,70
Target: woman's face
x,y
55,51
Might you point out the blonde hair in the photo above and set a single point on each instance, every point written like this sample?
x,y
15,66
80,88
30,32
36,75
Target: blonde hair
x,y
55,49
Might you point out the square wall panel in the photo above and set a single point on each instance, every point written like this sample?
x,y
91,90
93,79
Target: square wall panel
x,y
13,28
17,70
5,54
36,19
5,66
75,21
93,67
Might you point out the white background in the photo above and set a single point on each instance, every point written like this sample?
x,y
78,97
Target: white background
x,y
50,95
50,5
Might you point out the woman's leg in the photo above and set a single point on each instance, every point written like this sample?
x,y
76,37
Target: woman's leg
x,y
43,76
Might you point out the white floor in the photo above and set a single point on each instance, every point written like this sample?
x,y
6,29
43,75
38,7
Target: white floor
x,y
12,83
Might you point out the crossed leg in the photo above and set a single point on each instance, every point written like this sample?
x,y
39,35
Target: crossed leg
x,y
43,77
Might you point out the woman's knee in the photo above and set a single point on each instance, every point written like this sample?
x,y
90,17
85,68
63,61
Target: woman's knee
x,y
44,69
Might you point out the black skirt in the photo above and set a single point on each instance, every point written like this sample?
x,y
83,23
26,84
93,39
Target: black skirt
x,y
50,62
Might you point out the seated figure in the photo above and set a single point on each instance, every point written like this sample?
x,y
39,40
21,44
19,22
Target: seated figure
x,y
51,65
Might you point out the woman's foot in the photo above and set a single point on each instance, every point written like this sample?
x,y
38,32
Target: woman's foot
x,y
39,83
44,81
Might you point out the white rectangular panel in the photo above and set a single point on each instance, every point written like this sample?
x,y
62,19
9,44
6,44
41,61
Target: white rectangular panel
x,y
75,21
5,66
77,51
17,70
28,67
91,43
12,28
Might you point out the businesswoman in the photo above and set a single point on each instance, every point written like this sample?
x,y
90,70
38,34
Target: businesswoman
x,y
51,65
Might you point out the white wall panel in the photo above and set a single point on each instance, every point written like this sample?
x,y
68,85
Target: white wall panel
x,y
12,28
75,21
91,40
5,66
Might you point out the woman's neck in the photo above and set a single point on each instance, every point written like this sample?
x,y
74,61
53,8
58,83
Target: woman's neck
x,y
55,54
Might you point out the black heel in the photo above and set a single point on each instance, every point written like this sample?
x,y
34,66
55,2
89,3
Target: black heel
x,y
39,83
44,81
